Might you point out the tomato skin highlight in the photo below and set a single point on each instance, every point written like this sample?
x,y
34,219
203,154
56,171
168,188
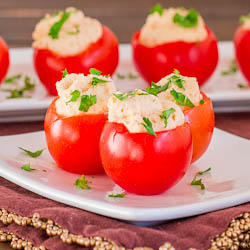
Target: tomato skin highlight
x,y
73,142
191,59
102,55
4,59
201,121
144,164
242,51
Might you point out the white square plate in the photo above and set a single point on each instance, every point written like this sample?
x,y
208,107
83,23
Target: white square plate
x,y
223,90
226,185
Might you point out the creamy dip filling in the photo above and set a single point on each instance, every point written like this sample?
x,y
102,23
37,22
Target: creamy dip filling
x,y
163,114
77,32
79,94
161,29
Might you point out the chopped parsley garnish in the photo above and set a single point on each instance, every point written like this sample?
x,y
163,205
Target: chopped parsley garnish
x,y
122,195
77,30
241,86
13,79
242,18
65,72
157,8
32,154
232,70
132,76
190,20
148,126
181,99
86,102
198,182
56,27
202,102
176,79
155,89
96,80
74,96
124,96
120,76
166,114
94,71
27,167
82,183
177,72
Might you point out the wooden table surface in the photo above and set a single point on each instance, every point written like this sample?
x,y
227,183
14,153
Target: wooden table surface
x,y
18,18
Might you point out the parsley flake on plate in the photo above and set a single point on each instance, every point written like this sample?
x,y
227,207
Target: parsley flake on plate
x,y
166,114
157,8
120,76
86,102
203,172
148,126
74,96
190,20
122,195
19,92
12,79
132,76
56,27
82,183
241,86
26,167
199,182
32,154
181,99
196,182
232,69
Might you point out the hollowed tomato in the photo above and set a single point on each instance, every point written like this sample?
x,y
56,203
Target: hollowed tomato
x,y
144,164
102,55
242,50
191,59
73,142
4,59
201,121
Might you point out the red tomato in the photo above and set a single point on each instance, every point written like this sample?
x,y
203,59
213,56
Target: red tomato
x,y
201,121
191,59
73,142
4,59
144,164
242,50
102,55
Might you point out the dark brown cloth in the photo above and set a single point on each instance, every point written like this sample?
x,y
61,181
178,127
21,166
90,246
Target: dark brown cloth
x,y
183,234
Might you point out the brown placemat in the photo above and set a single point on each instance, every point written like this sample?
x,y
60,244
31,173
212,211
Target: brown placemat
x,y
195,232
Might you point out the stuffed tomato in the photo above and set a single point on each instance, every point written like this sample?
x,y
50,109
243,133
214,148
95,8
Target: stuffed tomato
x,y
242,46
175,39
73,41
75,119
4,59
197,107
146,146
